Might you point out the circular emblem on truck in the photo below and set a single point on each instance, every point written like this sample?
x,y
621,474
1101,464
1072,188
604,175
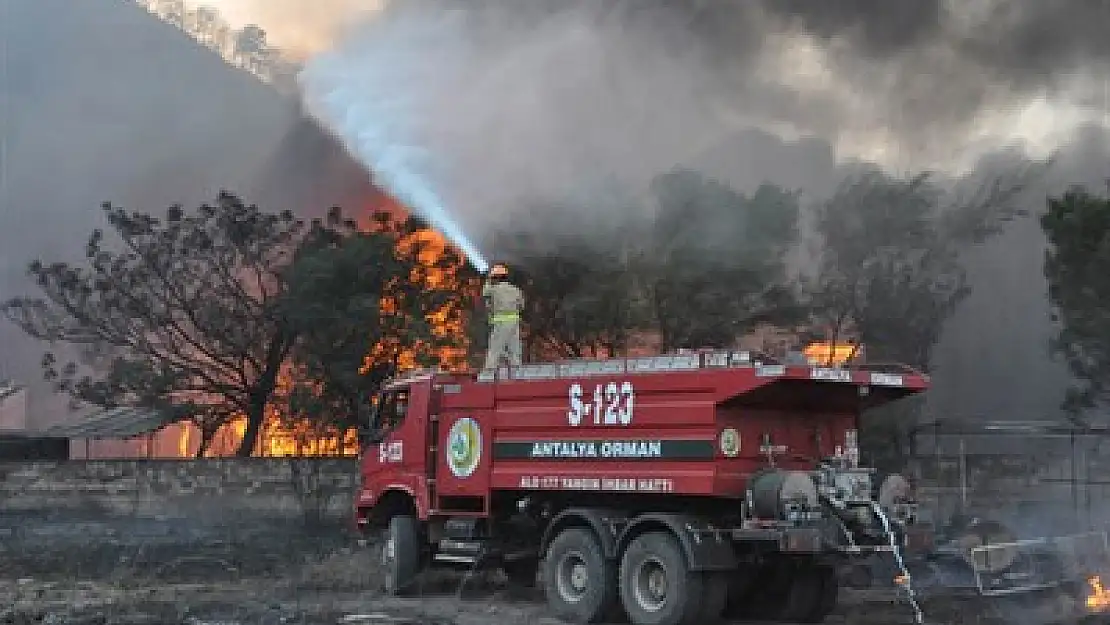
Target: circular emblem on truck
x,y
730,442
464,447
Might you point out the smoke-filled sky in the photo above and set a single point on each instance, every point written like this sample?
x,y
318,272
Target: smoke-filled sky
x,y
522,101
908,82
489,106
104,103
298,27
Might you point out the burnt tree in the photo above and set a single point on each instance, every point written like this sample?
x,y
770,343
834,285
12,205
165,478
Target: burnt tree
x,y
366,303
890,273
180,314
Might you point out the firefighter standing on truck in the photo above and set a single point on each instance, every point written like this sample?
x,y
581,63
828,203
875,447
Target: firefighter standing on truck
x,y
504,302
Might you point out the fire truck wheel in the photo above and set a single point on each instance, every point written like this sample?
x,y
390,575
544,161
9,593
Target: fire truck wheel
x,y
740,585
769,593
715,597
400,555
805,599
580,584
521,573
830,593
656,584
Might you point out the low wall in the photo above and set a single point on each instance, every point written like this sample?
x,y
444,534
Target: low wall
x,y
246,489
97,519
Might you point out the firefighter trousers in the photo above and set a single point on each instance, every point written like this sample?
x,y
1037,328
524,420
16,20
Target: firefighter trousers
x,y
504,343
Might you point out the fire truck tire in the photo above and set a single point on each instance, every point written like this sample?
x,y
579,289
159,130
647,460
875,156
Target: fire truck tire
x,y
521,573
769,593
715,597
656,584
738,595
806,598
400,555
830,594
579,583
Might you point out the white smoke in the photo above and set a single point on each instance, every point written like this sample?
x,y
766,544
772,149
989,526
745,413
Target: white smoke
x,y
475,115
472,116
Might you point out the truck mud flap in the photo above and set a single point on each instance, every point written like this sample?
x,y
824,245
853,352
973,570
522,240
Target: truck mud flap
x,y
707,548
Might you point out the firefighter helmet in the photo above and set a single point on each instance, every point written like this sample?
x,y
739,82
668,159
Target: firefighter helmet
x,y
499,271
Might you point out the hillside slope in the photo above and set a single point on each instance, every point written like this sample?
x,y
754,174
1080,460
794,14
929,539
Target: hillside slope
x,y
101,101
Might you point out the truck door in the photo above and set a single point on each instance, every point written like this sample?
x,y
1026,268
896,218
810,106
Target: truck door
x,y
388,427
397,456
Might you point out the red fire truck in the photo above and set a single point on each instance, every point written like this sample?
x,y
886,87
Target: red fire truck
x,y
667,490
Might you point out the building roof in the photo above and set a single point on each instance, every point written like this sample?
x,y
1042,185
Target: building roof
x,y
111,423
7,389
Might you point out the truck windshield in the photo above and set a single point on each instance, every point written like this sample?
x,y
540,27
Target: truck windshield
x,y
391,410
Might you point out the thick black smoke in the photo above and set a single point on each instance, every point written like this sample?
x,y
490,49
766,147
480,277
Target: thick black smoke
x,y
535,86
1025,40
940,66
925,67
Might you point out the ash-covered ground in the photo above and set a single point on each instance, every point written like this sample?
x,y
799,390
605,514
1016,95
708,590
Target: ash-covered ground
x,y
170,571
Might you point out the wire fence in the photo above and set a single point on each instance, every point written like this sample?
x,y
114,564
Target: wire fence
x,y
1038,482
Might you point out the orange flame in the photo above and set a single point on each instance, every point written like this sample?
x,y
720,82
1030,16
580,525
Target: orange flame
x,y
825,353
281,437
183,442
446,321
1099,598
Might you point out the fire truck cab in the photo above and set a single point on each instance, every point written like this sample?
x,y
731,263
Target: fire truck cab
x,y
668,489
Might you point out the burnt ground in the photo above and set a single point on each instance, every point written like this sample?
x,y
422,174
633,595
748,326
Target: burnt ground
x,y
171,571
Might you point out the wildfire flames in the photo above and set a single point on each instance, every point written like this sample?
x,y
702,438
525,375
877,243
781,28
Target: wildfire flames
x,y
1099,598
830,354
280,437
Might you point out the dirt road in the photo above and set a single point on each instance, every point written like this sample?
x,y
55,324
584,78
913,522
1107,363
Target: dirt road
x,y
339,588
65,571
262,603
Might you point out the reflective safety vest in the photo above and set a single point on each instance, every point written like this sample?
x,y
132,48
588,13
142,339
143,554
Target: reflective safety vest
x,y
505,317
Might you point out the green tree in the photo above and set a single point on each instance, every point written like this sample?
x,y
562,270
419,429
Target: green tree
x,y
250,41
366,303
181,314
890,272
714,262
1077,266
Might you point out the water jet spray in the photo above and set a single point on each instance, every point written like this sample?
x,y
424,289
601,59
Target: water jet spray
x,y
375,127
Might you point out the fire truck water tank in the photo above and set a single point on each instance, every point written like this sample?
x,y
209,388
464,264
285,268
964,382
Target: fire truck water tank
x,y
775,491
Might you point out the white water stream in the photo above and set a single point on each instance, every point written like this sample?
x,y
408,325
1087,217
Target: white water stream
x,y
907,582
